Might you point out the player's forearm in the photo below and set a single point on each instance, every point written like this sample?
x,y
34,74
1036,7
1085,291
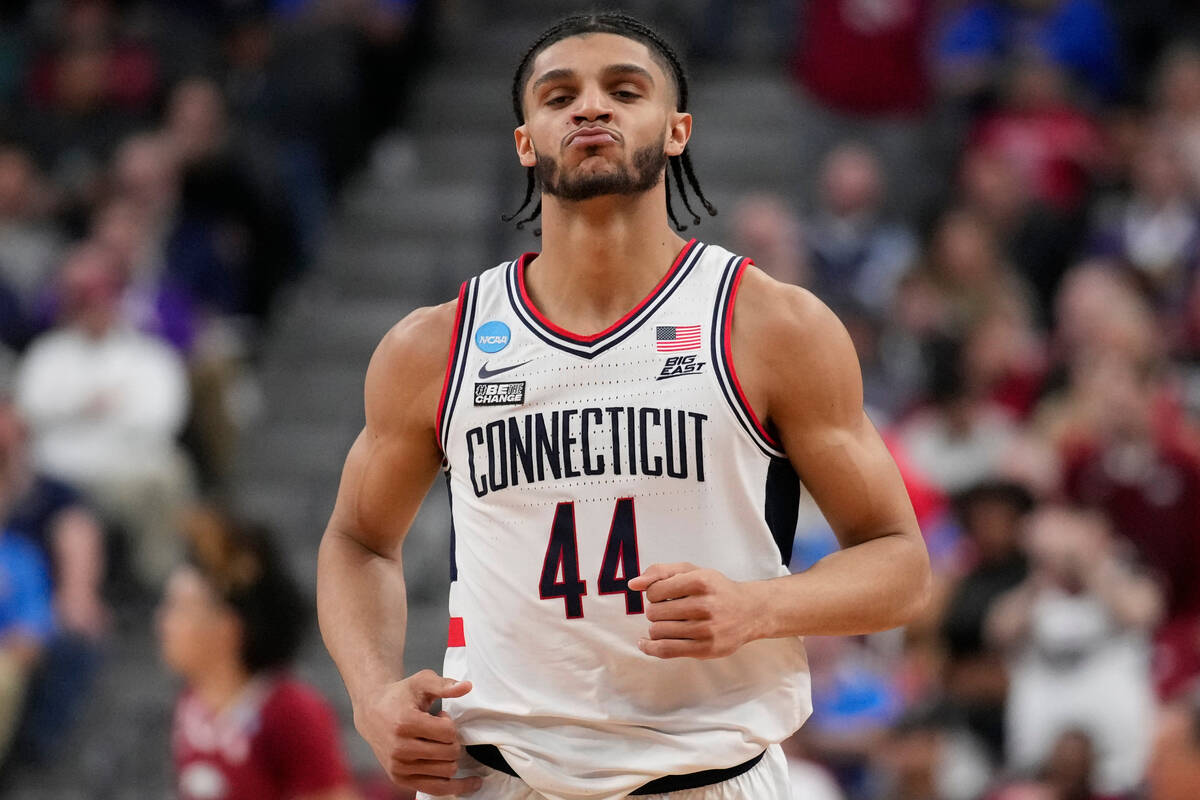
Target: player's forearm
x,y
362,610
878,584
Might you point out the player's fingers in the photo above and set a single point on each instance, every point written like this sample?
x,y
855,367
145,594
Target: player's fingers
x,y
426,769
673,648
421,750
683,584
656,572
685,608
678,630
441,786
426,726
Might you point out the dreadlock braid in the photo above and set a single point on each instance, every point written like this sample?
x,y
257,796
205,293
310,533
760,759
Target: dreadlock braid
x,y
631,28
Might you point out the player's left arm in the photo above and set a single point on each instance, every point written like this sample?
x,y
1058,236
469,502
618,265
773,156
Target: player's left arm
x,y
799,370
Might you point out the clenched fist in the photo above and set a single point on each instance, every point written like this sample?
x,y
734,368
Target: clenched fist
x,y
418,750
697,613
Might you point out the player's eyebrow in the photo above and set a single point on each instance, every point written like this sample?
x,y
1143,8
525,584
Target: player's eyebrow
x,y
564,73
629,69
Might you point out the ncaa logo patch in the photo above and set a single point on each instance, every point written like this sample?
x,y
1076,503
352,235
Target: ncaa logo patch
x,y
492,337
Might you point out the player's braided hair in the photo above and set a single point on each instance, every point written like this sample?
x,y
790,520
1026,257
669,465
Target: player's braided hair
x,y
621,25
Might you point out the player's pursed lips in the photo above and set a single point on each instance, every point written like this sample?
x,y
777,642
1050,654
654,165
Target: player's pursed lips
x,y
591,135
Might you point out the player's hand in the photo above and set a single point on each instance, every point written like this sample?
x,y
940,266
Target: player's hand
x,y
418,750
696,613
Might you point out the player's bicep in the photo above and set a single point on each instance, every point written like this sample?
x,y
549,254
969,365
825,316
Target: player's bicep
x,y
384,480
853,479
395,458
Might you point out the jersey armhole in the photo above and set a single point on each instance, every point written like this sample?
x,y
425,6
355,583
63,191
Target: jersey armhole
x,y
463,318
722,355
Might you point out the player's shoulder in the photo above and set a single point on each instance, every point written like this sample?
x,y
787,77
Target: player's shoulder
x,y
418,344
405,374
784,311
797,344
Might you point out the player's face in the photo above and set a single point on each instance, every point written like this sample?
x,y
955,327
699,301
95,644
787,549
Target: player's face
x,y
193,626
600,118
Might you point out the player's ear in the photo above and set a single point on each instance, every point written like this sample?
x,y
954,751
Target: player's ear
x,y
679,131
525,151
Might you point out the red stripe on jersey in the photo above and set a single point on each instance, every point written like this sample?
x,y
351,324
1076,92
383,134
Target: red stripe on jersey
x,y
454,339
524,260
737,385
455,636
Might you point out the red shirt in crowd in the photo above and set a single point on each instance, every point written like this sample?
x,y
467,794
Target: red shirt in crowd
x,y
866,57
1153,501
1053,150
277,742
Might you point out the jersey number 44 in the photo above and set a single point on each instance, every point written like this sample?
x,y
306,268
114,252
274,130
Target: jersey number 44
x,y
560,570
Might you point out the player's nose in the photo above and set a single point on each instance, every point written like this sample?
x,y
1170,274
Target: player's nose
x,y
592,105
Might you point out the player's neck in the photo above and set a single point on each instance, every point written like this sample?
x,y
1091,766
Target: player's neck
x,y
600,258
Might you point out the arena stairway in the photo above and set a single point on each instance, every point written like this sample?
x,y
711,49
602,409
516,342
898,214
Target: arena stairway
x,y
423,216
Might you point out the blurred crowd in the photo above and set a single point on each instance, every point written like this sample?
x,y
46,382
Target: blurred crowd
x,y
1003,206
165,171
1005,211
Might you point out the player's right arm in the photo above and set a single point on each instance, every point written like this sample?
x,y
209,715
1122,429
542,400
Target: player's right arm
x,y
361,602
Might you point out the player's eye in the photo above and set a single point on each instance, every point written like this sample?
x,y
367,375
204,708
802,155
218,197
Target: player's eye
x,y
625,94
559,100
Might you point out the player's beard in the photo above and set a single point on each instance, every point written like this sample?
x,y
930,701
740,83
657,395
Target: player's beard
x,y
641,175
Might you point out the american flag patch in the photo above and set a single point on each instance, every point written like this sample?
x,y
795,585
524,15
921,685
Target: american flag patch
x,y
671,338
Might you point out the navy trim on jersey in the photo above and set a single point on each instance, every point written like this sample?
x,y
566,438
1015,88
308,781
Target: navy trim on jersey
x,y
453,540
724,370
458,368
782,506
590,347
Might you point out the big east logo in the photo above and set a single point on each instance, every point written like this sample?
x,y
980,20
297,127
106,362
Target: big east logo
x,y
680,365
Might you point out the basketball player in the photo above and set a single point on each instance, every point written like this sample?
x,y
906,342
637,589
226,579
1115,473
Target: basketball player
x,y
625,420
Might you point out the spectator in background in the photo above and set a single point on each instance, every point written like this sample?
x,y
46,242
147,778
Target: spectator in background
x,y
764,225
223,198
26,623
229,625
1176,95
104,404
1078,632
1155,231
1053,145
1037,240
1174,769
1067,774
69,538
857,255
861,65
958,438
88,89
927,757
1140,469
1076,35
29,242
991,515
963,278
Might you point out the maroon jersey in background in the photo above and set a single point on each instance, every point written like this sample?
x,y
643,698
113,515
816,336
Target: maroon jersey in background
x,y
865,56
277,742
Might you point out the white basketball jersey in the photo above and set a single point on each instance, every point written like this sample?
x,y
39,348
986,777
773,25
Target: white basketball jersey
x,y
572,462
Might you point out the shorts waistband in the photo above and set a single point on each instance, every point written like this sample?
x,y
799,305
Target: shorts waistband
x,y
490,756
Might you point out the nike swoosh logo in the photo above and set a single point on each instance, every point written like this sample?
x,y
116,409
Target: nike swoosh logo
x,y
485,373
